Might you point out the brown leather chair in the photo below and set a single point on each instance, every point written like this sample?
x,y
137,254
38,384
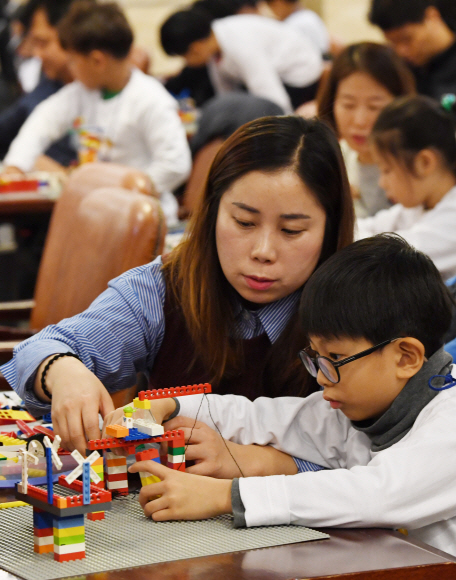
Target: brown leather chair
x,y
93,237
195,184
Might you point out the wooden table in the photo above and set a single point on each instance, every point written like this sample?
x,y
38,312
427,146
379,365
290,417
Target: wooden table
x,y
364,554
24,202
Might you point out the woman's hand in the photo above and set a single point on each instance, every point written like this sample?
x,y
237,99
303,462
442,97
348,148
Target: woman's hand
x,y
77,398
183,496
215,456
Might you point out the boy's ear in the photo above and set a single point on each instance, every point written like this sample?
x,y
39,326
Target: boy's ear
x,y
409,356
425,163
98,57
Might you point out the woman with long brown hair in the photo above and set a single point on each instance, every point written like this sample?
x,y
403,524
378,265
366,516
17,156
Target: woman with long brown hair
x,y
219,308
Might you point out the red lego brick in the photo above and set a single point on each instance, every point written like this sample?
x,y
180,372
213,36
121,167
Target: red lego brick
x,y
69,557
96,516
116,477
175,392
146,455
177,466
40,533
77,485
37,492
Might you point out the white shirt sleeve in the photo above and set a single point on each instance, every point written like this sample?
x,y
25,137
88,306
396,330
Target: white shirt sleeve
x,y
49,121
170,154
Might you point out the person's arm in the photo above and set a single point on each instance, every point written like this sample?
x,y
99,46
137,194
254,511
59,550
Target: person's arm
x,y
48,122
167,143
116,337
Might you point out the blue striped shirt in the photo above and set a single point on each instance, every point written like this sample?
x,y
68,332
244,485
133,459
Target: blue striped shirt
x,y
121,333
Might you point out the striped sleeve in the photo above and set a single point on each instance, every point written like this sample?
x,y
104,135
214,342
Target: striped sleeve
x,y
116,337
304,465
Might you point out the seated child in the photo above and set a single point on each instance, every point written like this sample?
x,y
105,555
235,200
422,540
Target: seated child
x,y
375,313
415,146
247,51
116,112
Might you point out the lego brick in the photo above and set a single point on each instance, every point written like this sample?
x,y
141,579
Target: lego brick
x,y
177,466
175,392
96,516
47,549
68,532
149,428
148,478
144,404
12,504
69,540
77,485
116,462
176,450
9,416
135,435
117,485
115,469
69,548
60,502
64,523
69,557
43,540
148,454
35,492
42,533
116,477
116,431
41,519
176,458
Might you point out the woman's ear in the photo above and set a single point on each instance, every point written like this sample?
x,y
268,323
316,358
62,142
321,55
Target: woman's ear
x,y
409,356
426,162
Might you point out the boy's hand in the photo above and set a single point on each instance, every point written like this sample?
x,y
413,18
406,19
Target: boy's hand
x,y
161,409
183,496
207,449
11,170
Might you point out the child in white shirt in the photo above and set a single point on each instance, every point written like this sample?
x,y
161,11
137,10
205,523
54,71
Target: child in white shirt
x,y
375,313
116,112
268,58
414,144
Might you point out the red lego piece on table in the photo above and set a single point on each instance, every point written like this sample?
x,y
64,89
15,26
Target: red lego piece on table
x,y
69,557
96,516
175,392
19,185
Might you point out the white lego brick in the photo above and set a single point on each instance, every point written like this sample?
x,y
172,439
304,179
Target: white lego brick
x,y
69,548
176,458
116,469
43,540
151,429
117,484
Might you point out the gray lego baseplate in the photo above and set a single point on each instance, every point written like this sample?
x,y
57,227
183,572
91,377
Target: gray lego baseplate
x,y
126,538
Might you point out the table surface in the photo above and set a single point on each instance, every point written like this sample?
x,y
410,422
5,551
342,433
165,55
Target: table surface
x,y
25,202
360,554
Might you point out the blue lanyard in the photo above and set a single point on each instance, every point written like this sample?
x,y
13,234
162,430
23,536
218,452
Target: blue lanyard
x,y
448,382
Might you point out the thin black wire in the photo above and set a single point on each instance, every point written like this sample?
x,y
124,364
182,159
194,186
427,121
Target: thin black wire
x,y
217,429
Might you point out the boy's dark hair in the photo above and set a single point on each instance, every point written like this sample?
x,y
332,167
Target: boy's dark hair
x,y
89,26
217,8
378,288
183,28
55,10
410,124
390,14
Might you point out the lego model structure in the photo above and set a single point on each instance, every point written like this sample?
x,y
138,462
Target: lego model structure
x,y
58,521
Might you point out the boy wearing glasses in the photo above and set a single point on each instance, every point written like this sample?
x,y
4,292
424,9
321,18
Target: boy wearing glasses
x,y
383,425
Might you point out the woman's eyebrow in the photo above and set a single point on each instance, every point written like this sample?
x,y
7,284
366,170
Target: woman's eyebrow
x,y
295,216
246,207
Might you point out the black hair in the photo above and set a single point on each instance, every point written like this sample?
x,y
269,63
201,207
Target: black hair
x,y
378,289
447,9
390,14
183,28
24,13
55,10
410,124
89,26
217,8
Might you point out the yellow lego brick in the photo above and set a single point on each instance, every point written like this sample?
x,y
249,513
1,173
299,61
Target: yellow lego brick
x,y
141,404
6,440
12,504
10,415
149,479
67,532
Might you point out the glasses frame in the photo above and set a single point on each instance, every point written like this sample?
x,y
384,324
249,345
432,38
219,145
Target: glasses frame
x,y
304,355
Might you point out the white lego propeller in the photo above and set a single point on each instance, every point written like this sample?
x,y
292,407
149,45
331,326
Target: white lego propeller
x,y
54,447
78,470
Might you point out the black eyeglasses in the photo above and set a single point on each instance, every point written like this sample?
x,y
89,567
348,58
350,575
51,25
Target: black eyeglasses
x,y
329,368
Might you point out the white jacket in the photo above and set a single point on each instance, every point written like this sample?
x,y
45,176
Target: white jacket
x,y
409,485
141,124
431,231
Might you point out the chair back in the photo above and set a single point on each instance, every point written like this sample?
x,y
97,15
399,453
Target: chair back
x,y
94,236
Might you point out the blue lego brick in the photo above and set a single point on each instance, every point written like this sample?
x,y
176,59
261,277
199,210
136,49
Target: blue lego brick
x,y
42,520
86,483
50,490
47,418
68,522
136,435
